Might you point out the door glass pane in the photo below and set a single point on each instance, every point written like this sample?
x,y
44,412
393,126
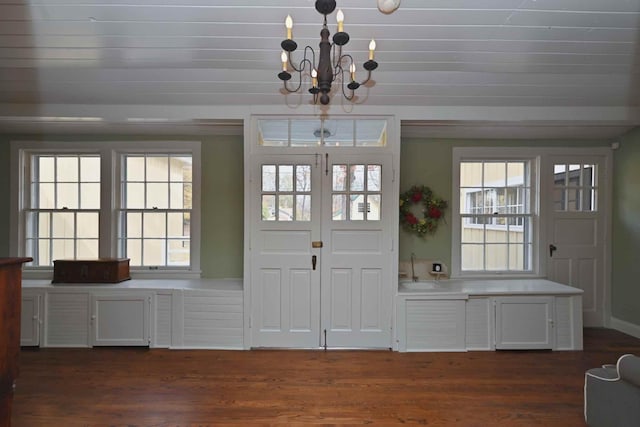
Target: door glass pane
x,y
339,207
339,178
268,207
374,177
303,207
268,177
357,207
285,180
285,208
303,178
374,207
356,178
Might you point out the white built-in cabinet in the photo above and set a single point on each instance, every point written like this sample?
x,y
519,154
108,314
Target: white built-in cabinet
x,y
525,323
120,319
31,319
176,315
476,322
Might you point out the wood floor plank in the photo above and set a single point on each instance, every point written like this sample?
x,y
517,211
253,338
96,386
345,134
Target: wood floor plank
x,y
141,387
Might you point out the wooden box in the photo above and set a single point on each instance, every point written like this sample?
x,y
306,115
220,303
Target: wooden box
x,y
100,270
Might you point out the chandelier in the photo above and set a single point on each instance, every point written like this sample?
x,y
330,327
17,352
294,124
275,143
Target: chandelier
x,y
332,64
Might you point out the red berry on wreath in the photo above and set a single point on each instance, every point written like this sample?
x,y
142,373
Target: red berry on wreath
x,y
434,212
416,197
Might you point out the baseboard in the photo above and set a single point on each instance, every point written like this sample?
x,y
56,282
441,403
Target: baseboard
x,y
626,327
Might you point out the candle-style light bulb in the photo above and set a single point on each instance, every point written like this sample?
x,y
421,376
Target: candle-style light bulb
x,y
289,24
352,69
372,48
314,78
340,19
283,58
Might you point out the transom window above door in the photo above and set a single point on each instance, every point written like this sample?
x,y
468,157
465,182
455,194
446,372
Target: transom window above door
x,y
338,133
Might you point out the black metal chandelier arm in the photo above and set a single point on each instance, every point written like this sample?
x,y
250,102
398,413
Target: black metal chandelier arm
x,y
350,96
297,88
301,64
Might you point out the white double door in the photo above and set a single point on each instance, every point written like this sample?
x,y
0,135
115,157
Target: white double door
x,y
321,251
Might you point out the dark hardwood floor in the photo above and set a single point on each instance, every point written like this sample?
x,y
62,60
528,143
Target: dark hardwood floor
x,y
141,387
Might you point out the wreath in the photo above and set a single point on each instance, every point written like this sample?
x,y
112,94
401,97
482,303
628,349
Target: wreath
x,y
431,207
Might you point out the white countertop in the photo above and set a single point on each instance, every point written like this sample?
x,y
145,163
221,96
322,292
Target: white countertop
x,y
147,284
486,287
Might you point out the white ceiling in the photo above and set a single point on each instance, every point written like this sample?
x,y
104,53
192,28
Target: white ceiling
x,y
448,68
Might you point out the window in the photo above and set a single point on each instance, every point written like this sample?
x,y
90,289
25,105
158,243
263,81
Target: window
x,y
63,207
73,201
495,216
156,204
356,192
286,192
575,188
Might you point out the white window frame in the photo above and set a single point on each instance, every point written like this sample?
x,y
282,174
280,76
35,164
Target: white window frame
x,y
470,154
109,152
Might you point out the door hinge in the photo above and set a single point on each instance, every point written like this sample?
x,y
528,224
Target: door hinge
x,y
250,322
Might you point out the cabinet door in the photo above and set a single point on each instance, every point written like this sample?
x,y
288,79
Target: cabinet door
x,y
66,319
524,323
30,320
120,320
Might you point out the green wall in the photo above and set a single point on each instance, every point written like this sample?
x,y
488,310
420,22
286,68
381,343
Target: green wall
x,y
625,292
222,207
222,196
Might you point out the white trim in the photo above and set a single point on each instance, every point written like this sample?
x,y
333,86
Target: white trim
x,y
625,327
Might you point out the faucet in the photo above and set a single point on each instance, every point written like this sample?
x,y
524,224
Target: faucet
x,y
413,269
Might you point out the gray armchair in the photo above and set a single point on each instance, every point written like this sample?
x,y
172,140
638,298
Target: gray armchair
x,y
612,394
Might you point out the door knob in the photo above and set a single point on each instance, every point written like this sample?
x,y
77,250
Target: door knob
x,y
552,249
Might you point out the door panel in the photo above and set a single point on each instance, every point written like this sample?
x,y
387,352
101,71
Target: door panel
x,y
576,253
285,287
357,257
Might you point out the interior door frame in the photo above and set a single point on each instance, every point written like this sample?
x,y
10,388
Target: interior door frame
x,y
252,149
